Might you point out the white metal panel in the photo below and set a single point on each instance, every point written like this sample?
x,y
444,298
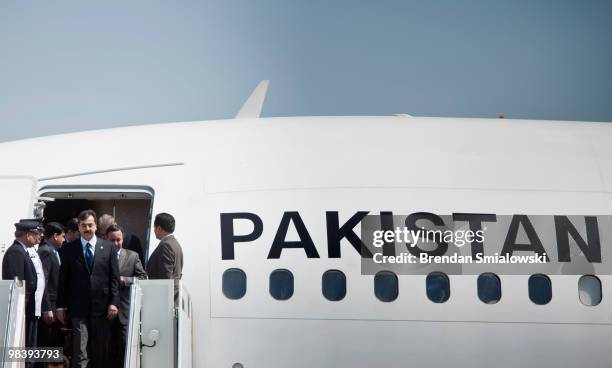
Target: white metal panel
x,y
185,329
5,297
412,303
308,152
12,319
158,314
253,105
18,195
132,348
299,343
353,160
301,153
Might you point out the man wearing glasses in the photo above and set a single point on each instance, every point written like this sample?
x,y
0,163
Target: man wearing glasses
x,y
17,263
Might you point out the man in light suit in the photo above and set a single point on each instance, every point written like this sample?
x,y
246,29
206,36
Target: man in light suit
x,y
17,263
89,291
50,334
166,262
130,268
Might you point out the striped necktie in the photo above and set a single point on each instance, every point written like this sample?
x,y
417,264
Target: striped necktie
x,y
89,256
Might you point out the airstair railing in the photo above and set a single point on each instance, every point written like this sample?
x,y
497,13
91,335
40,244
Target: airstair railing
x,y
12,318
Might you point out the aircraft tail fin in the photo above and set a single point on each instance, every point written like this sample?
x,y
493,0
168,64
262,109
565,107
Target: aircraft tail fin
x,y
252,107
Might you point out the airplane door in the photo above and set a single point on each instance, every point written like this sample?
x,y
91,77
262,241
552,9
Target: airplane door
x,y
18,196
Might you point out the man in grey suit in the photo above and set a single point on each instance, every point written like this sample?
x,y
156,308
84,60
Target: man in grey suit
x,y
129,269
166,262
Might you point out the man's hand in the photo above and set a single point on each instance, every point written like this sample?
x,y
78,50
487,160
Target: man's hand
x,y
48,317
61,316
112,312
121,281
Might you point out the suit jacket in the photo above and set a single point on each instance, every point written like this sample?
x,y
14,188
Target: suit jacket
x,y
17,263
130,268
51,268
85,293
166,262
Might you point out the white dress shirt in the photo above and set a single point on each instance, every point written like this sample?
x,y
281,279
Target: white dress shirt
x,y
93,242
40,284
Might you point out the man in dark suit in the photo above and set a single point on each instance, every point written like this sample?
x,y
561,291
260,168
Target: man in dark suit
x,y
49,329
129,269
89,292
17,263
72,230
166,262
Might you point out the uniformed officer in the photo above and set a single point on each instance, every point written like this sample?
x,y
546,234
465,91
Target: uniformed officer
x,y
17,263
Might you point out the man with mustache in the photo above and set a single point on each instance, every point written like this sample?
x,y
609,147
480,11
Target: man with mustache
x,y
89,292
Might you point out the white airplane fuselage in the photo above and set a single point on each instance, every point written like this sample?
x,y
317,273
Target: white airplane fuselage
x,y
268,167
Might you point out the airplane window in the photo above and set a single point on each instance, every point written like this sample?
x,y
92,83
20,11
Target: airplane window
x,y
281,284
334,285
234,283
438,287
386,286
540,289
589,290
489,288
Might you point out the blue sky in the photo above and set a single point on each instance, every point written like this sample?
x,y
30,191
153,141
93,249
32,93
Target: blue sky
x,y
72,66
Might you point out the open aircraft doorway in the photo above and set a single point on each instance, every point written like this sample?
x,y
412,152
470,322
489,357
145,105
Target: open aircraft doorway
x,y
130,206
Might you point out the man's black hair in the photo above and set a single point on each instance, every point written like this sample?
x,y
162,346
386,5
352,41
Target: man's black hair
x,y
53,228
72,224
113,228
165,221
84,215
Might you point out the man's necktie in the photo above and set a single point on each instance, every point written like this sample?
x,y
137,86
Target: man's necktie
x,y
89,256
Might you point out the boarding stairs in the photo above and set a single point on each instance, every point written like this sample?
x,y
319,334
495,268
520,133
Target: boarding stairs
x,y
159,333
